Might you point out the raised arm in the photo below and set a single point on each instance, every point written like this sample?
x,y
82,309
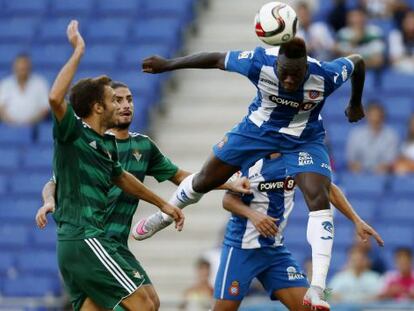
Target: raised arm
x,y
265,224
341,203
131,185
158,64
49,204
63,80
355,110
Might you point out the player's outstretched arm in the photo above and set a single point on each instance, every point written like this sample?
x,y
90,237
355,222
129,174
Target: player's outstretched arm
x,y
341,203
158,64
355,110
63,80
265,224
49,204
131,185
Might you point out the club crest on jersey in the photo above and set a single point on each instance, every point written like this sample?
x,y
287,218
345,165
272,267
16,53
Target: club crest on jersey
x,y
293,274
305,159
137,155
327,226
223,142
234,289
313,94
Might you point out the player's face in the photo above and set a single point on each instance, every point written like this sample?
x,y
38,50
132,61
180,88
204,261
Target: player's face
x,y
126,107
291,73
111,107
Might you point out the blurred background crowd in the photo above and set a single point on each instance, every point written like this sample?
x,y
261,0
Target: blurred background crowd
x,y
373,160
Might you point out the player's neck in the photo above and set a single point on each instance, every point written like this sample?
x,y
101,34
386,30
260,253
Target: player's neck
x,y
120,133
96,125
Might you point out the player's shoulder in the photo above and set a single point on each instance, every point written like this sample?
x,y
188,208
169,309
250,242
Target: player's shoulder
x,y
138,136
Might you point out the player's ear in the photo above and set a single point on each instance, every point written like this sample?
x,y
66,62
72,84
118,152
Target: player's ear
x,y
98,108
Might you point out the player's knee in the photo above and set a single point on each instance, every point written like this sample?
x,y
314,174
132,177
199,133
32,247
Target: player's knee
x,y
202,182
317,199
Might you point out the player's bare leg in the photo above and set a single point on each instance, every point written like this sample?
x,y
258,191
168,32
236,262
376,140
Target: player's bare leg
x,y
226,305
292,298
213,174
90,305
139,300
320,232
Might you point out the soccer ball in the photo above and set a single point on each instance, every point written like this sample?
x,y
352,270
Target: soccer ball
x,y
276,23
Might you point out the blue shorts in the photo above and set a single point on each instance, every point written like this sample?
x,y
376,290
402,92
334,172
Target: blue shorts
x,y
246,143
274,267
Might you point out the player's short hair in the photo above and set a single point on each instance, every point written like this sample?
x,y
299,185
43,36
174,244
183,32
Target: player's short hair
x,y
403,251
295,48
86,92
118,84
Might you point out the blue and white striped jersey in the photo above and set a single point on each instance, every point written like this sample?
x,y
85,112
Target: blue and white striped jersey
x,y
293,113
272,194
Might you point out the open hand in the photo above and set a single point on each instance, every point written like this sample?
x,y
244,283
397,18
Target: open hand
x,y
154,64
74,37
265,224
41,215
354,113
175,213
364,231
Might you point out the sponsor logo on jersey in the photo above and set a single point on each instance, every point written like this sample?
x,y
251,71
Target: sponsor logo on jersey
x,y
293,104
327,166
327,226
344,73
293,274
264,80
246,54
234,289
93,144
137,155
305,159
276,185
137,275
222,142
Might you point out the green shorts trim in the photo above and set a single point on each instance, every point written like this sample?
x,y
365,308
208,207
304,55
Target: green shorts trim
x,y
93,268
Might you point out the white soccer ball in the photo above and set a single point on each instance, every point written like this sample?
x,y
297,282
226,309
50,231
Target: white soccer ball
x,y
276,23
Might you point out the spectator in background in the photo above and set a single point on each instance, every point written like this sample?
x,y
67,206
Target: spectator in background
x,y
199,297
318,38
337,15
377,263
23,96
359,37
405,161
401,45
357,283
399,285
372,147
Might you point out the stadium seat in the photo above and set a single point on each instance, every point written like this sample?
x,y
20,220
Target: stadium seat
x,y
38,157
17,30
28,183
295,235
121,8
13,236
399,109
394,80
367,208
338,260
31,286
102,57
8,53
37,262
50,56
363,184
26,8
19,210
10,159
398,210
344,235
114,30
7,262
54,30
402,185
45,238
72,9
3,184
396,235
44,133
338,131
132,56
183,10
15,135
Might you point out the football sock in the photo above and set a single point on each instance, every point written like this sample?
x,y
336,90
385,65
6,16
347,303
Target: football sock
x,y
320,234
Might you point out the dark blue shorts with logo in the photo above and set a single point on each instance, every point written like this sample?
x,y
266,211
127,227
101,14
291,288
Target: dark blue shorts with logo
x,y
274,267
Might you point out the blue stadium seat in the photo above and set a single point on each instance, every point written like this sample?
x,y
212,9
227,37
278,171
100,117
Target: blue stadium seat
x,y
338,260
44,134
15,135
334,108
367,208
338,131
28,183
141,120
101,57
7,262
10,158
121,8
295,235
26,7
37,262
393,80
17,30
344,235
112,30
166,30
395,234
38,157
142,84
50,56
132,55
72,9
54,30
363,184
13,236
31,286
3,184
399,109
183,10
45,238
19,210
398,210
403,185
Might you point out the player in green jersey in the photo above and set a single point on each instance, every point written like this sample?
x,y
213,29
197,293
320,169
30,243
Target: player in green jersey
x,y
139,155
86,166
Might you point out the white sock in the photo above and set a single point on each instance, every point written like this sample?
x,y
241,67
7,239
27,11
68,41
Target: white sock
x,y
184,195
320,236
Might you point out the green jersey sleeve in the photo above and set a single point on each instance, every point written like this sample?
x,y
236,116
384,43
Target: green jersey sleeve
x,y
159,166
117,168
69,128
